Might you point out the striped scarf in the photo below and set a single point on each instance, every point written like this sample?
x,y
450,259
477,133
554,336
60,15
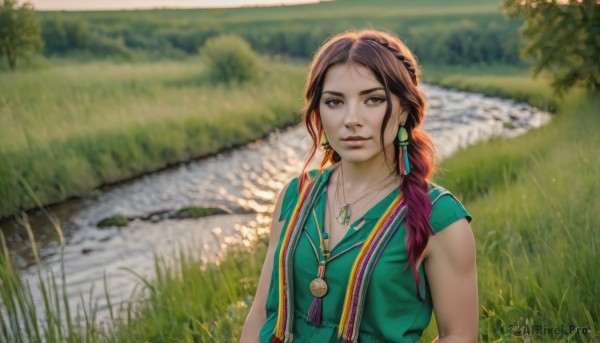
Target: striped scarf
x,y
360,273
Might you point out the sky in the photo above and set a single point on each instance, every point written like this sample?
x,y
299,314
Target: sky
x,y
145,4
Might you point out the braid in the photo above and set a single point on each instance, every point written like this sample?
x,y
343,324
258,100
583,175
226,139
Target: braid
x,y
415,187
421,154
399,56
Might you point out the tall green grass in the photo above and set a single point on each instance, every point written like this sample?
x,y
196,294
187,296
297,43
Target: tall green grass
x,y
187,301
546,242
67,130
537,235
196,302
22,319
501,81
534,201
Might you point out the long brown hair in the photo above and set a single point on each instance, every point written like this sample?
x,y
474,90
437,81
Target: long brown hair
x,y
396,68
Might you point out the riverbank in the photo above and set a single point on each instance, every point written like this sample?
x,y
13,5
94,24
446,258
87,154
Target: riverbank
x,y
533,208
101,123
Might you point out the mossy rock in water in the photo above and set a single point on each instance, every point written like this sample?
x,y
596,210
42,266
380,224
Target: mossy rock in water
x,y
197,212
94,194
116,220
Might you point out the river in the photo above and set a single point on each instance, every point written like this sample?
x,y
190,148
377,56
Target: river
x,y
244,181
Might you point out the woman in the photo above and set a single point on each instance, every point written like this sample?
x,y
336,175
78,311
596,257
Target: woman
x,y
366,247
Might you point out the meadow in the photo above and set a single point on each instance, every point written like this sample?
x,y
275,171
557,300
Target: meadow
x,y
67,130
133,98
460,33
118,94
533,199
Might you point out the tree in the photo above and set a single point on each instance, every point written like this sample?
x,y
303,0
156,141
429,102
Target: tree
x,y
230,59
20,31
563,38
63,35
54,35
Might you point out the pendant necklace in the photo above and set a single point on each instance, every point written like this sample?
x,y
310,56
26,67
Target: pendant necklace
x,y
318,286
345,210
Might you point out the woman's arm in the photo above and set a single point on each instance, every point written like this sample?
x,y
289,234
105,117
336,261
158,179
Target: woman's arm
x,y
452,276
257,315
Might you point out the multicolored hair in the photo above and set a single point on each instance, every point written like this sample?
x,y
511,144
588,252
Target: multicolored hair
x,y
396,68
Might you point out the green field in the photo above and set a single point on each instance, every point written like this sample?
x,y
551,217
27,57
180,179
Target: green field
x,y
349,9
132,97
67,130
533,198
462,32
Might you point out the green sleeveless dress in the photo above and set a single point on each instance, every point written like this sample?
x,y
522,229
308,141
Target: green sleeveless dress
x,y
393,311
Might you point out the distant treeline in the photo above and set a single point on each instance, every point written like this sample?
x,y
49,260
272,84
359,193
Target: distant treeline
x,y
481,37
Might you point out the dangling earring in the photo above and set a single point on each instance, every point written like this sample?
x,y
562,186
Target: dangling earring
x,y
325,143
403,145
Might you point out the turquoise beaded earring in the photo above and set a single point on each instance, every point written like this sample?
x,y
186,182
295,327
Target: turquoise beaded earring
x,y
325,142
403,145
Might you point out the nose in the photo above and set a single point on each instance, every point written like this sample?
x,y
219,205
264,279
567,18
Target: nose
x,y
353,115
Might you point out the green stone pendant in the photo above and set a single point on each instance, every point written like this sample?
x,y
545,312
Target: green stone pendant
x,y
344,215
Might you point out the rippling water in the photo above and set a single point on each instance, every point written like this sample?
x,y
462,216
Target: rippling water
x,y
246,181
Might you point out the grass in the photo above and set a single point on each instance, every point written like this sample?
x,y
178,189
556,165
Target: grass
x,y
188,301
534,200
501,81
537,239
70,129
462,32
198,302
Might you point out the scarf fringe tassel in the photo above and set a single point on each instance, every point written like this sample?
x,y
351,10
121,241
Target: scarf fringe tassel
x,y
314,313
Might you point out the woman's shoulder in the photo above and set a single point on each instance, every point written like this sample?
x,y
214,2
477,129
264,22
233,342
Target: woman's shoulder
x,y
291,194
446,208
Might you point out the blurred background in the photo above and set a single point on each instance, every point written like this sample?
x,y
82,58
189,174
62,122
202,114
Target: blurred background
x,y
143,145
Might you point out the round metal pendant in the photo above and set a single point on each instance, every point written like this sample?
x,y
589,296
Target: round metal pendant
x,y
318,287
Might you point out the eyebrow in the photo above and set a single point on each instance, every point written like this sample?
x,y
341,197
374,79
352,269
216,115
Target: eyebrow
x,y
363,92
